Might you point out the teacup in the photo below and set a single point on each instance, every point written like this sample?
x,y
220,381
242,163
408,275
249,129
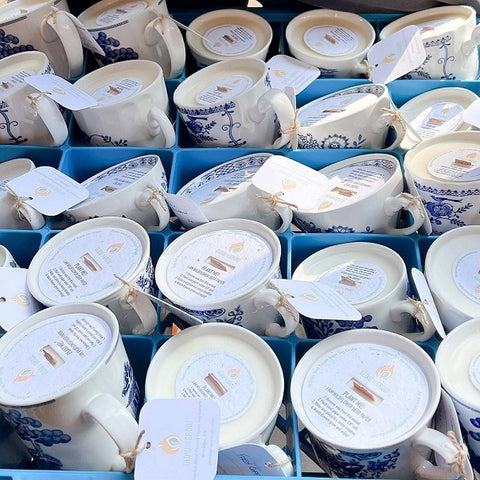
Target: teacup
x,y
6,258
225,191
460,378
98,260
35,25
366,196
231,104
452,275
371,277
14,212
131,189
367,399
127,30
336,42
221,271
355,117
228,33
28,116
445,172
73,399
450,38
132,107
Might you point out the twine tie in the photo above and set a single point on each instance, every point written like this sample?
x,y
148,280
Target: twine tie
x,y
281,463
458,463
156,195
292,130
274,200
130,456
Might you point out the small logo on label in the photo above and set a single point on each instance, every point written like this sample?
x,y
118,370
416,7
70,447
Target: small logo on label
x,y
288,183
115,247
236,247
21,299
389,58
170,445
42,192
385,371
24,375
280,73
309,296
472,155
234,373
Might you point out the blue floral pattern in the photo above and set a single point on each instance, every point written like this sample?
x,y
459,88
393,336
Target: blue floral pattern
x,y
99,139
310,227
10,44
146,280
130,389
325,328
8,123
113,51
330,141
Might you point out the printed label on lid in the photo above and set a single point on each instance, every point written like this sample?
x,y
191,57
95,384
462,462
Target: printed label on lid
x,y
51,356
466,274
117,90
439,118
364,394
474,371
229,40
356,282
331,40
218,265
220,375
11,83
121,12
459,165
224,89
82,268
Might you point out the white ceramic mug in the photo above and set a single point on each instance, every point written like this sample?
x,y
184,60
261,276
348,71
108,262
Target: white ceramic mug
x,y
231,104
225,191
355,117
445,172
367,399
35,25
26,115
131,189
73,399
336,42
80,263
138,29
228,33
371,277
132,108
14,212
450,37
366,196
221,271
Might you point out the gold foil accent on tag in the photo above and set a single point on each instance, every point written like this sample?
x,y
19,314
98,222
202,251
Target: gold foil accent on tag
x,y
435,121
462,163
215,384
330,39
344,191
347,281
113,90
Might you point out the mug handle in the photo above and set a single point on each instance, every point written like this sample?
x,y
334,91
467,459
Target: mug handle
x,y
282,460
269,297
32,216
157,123
416,309
279,102
61,27
394,120
286,214
154,197
163,29
39,105
410,203
120,425
144,308
471,44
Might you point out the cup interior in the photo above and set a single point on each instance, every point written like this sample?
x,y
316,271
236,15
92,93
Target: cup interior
x,y
16,67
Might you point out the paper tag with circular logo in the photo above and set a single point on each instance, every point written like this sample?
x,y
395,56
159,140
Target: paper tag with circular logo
x,y
224,89
459,165
230,40
331,40
120,12
466,274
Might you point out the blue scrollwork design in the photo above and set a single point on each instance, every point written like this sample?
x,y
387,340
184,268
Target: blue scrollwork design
x,y
8,124
326,328
146,280
113,54
206,315
98,139
310,227
442,44
330,141
130,388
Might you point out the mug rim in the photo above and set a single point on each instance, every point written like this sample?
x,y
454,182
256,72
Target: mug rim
x,y
21,15
102,5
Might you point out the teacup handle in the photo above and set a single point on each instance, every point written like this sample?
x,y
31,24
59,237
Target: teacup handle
x,y
144,308
286,215
61,27
269,297
396,122
159,123
32,216
153,196
471,44
164,29
416,309
279,102
282,460
409,203
119,424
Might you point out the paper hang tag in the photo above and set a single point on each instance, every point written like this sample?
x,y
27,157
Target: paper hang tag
x,y
180,440
396,55
186,210
293,183
47,190
61,91
254,460
471,114
426,228
316,300
16,301
286,71
426,298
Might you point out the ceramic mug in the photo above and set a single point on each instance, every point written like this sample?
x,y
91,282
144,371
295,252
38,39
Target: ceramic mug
x,y
336,42
35,25
355,117
6,258
80,264
131,189
73,399
228,33
450,37
130,30
367,399
132,107
445,173
14,212
366,196
231,104
371,277
221,271
225,191
27,116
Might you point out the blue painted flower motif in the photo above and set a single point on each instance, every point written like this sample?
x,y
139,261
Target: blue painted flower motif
x,y
235,316
475,422
306,226
307,141
325,328
146,280
8,124
205,315
98,139
130,388
113,54
10,44
335,141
